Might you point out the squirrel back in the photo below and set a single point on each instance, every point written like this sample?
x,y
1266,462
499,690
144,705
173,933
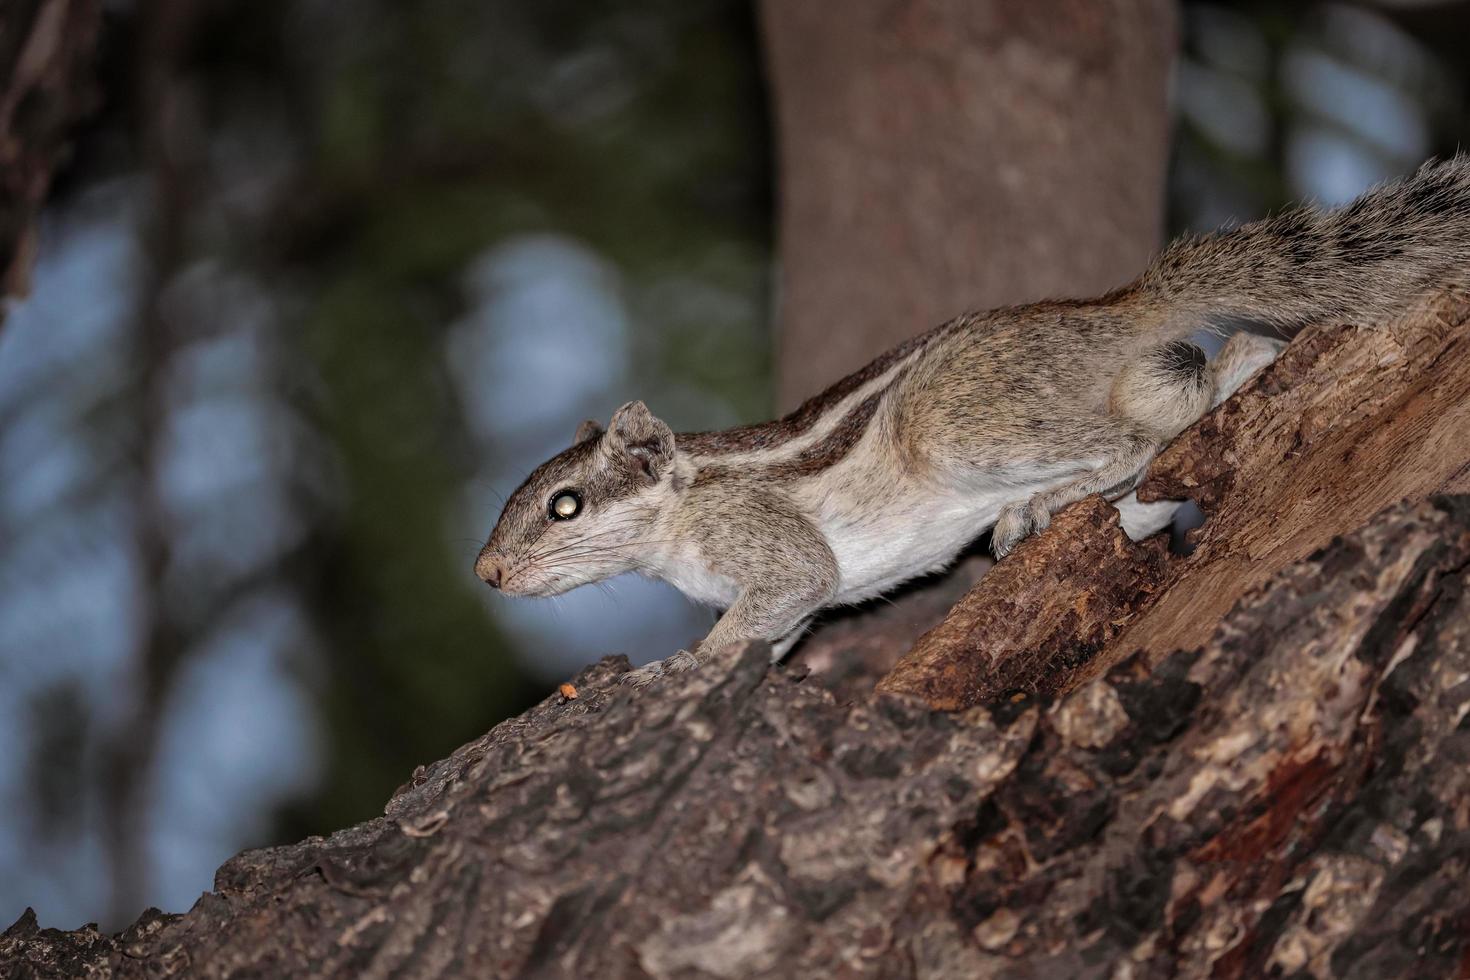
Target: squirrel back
x,y
1364,261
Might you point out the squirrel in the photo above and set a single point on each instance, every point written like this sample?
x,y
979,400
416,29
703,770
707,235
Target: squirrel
x,y
994,420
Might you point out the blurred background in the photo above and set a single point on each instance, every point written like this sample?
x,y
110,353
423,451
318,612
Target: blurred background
x,y
323,281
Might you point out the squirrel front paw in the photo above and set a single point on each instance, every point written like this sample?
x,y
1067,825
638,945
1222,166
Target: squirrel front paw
x,y
1018,522
647,674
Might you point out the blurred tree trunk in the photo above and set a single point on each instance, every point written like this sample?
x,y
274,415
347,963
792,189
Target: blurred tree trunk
x,y
938,156
46,85
167,109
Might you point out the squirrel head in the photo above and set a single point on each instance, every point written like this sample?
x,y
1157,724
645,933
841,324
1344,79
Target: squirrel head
x,y
580,516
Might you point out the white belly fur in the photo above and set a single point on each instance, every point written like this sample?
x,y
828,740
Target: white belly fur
x,y
913,536
882,530
885,530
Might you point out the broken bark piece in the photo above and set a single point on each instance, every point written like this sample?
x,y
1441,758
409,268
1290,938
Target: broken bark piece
x,y
1348,421
1290,797
1037,616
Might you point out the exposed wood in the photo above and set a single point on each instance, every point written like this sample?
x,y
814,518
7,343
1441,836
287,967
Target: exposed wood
x,y
1048,610
1348,421
948,155
1294,796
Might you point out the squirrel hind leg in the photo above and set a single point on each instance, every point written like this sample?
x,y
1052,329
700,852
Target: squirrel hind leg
x,y
1142,520
1165,389
1172,385
1152,400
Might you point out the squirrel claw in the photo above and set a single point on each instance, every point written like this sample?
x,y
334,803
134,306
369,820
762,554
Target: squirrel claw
x,y
1018,522
647,674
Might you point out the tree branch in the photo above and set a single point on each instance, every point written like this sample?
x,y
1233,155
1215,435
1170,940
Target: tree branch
x,y
1287,794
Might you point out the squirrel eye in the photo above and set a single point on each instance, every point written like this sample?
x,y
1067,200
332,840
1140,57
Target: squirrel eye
x,y
564,506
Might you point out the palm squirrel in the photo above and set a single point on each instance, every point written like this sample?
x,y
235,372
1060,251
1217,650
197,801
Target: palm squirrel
x,y
992,420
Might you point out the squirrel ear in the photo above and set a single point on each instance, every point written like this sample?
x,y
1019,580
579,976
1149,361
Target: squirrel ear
x,y
642,438
589,429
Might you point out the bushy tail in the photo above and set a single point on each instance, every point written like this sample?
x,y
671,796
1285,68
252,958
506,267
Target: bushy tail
x,y
1362,262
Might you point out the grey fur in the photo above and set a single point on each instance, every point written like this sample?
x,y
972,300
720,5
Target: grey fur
x,y
994,419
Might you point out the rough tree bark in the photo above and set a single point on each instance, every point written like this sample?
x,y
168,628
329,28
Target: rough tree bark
x,y
1288,794
46,85
947,155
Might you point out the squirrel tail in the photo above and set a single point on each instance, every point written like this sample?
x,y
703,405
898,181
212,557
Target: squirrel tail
x,y
1362,262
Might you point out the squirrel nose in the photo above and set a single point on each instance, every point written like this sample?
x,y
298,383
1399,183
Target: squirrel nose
x,y
487,566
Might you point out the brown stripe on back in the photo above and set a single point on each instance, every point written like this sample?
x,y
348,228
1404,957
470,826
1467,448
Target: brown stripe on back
x,y
834,446
831,450
769,435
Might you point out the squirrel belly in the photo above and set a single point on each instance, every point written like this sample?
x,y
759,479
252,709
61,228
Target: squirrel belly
x,y
994,420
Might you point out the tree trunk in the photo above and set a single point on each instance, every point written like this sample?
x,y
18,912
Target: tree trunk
x,y
949,155
1285,795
